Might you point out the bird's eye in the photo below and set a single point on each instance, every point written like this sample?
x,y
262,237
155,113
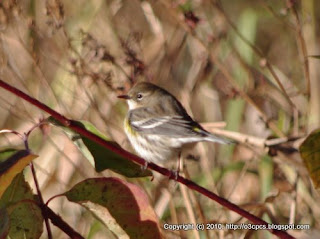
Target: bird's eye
x,y
139,96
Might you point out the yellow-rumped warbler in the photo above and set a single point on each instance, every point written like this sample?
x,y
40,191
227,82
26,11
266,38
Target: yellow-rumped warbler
x,y
158,126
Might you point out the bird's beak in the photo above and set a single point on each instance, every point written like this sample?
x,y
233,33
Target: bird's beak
x,y
126,97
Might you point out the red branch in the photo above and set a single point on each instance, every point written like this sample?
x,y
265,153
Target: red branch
x,y
190,184
57,220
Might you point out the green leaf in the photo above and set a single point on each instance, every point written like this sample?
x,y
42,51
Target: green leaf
x,y
12,162
18,197
18,190
121,206
6,153
310,153
26,220
100,157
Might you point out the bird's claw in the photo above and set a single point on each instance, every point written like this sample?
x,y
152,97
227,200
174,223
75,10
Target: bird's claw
x,y
174,175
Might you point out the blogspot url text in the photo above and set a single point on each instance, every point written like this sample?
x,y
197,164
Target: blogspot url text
x,y
231,226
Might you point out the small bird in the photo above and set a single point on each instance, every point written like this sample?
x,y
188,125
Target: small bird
x,y
158,126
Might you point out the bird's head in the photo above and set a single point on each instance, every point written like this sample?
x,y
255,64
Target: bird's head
x,y
142,94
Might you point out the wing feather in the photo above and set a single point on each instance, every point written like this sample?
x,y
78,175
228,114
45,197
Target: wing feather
x,y
173,126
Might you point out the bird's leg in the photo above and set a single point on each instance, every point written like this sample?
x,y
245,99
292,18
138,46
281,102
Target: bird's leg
x,y
145,166
179,165
175,173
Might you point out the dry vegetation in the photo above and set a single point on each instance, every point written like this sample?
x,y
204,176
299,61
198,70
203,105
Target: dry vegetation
x,y
246,63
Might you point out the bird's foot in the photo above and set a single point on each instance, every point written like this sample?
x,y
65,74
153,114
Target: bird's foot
x,y
174,175
145,166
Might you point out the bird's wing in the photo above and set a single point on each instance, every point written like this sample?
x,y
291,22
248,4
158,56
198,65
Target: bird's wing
x,y
173,126
146,121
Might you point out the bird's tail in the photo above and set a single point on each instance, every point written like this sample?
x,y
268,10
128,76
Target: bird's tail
x,y
216,139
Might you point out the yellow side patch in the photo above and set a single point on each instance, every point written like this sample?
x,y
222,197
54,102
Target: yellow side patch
x,y
128,127
196,129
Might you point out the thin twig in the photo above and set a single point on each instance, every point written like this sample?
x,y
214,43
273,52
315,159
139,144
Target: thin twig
x,y
197,205
53,197
244,138
189,208
25,140
279,17
293,206
42,205
303,47
41,122
3,131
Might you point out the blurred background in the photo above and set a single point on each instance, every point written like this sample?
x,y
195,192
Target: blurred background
x,y
243,68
